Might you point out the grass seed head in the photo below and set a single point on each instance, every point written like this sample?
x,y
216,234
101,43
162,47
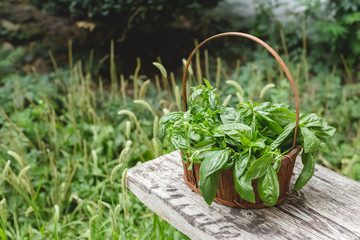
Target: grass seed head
x,y
95,158
3,210
117,210
155,127
16,156
92,219
113,221
22,173
56,214
143,89
128,129
6,169
124,188
239,96
125,152
267,87
129,113
22,182
161,68
191,72
113,172
165,111
156,146
227,100
146,105
88,234
104,203
28,211
236,85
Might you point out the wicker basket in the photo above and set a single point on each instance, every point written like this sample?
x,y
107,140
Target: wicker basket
x,y
226,193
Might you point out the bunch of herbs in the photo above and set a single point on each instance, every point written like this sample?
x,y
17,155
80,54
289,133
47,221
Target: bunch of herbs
x,y
251,139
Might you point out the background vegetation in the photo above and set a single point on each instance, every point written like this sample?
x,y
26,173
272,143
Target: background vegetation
x,y
68,136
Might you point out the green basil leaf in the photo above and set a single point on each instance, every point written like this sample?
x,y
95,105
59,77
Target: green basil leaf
x,y
208,186
194,95
268,187
277,163
307,172
259,167
237,131
244,187
281,115
241,138
208,85
310,142
214,162
247,114
242,162
166,121
258,144
207,153
178,139
229,115
324,147
263,106
284,138
206,143
311,120
233,129
213,100
233,142
271,124
194,133
162,132
324,132
171,118
262,138
199,116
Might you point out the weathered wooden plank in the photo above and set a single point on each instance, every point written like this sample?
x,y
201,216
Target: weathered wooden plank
x,y
326,208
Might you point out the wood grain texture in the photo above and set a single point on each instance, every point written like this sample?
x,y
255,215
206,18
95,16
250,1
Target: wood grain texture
x,y
328,207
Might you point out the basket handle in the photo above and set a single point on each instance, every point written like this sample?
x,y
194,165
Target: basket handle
x,y
265,45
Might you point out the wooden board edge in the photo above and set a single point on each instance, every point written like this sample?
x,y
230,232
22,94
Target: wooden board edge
x,y
166,212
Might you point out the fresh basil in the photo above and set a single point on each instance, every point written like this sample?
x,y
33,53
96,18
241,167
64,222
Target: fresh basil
x,y
268,186
311,142
259,167
250,138
307,172
244,187
214,162
166,121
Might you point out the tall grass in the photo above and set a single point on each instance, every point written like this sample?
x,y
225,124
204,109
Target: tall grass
x,y
64,153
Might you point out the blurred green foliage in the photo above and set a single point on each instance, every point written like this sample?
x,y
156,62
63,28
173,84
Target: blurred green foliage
x,y
10,60
330,32
327,30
